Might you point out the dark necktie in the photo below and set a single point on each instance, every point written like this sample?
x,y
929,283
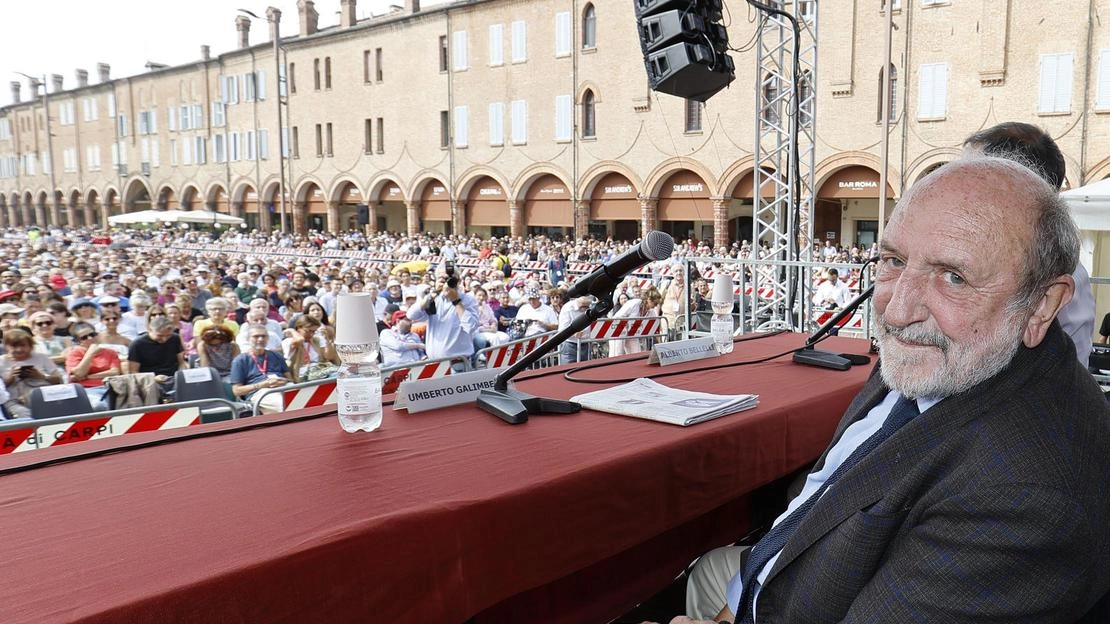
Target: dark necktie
x,y
775,539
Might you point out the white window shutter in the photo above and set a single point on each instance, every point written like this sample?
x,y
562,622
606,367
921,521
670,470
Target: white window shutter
x,y
496,45
497,123
562,34
520,122
940,90
198,116
1047,91
1062,98
171,117
1102,100
260,85
462,126
459,51
154,120
563,112
186,152
520,42
111,104
263,144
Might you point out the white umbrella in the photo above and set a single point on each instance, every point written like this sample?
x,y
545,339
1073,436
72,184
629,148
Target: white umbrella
x,y
204,216
1090,205
143,216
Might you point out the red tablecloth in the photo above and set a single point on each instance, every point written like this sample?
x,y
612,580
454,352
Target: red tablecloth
x,y
435,517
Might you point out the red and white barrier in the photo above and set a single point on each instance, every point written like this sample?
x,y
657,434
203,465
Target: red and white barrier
x,y
511,352
43,436
853,322
312,396
619,328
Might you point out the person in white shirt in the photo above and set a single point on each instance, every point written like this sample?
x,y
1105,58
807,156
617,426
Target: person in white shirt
x,y
258,313
573,350
133,322
541,317
399,344
832,293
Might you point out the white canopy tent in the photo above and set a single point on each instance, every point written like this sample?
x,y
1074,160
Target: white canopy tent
x,y
1090,205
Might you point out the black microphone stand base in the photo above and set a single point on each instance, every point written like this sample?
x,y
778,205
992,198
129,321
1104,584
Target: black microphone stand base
x,y
825,359
513,406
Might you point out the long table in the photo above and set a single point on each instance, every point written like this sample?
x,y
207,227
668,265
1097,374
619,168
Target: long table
x,y
441,516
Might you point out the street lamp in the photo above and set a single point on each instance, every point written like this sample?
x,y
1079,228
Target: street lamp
x,y
49,138
272,14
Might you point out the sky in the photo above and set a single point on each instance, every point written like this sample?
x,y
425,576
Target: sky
x,y
61,36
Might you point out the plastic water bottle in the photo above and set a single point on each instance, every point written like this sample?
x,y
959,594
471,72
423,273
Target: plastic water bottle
x,y
721,324
359,386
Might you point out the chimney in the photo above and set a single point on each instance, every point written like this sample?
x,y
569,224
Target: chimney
x,y
82,78
347,13
273,16
309,17
16,89
412,6
56,79
104,70
243,25
205,53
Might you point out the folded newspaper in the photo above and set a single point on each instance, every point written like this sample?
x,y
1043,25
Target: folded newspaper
x,y
643,398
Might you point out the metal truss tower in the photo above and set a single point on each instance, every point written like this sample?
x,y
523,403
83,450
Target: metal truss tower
x,y
786,70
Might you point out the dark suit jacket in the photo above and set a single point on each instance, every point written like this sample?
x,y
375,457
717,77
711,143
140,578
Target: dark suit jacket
x,y
989,507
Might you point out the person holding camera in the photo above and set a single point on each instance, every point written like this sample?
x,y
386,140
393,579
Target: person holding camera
x,y
452,317
23,370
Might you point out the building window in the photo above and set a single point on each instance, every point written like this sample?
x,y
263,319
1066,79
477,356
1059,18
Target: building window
x,y
296,142
564,118
589,115
589,27
292,77
496,45
443,53
444,129
771,103
497,124
327,72
562,34
693,116
462,126
379,71
1056,74
368,136
932,97
896,5
519,130
329,151
808,9
366,66
319,140
1102,97
519,41
381,135
892,97
316,74
459,51
807,103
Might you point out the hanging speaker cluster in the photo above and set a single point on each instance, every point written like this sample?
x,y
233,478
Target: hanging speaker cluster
x,y
685,47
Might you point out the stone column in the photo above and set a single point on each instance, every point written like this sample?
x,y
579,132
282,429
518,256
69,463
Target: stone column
x,y
53,212
299,222
720,222
105,212
237,209
581,218
90,214
333,217
25,210
372,217
210,206
266,219
412,217
4,220
458,216
648,214
516,219
40,214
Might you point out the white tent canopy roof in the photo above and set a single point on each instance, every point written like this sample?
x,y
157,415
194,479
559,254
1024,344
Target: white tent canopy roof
x,y
1090,205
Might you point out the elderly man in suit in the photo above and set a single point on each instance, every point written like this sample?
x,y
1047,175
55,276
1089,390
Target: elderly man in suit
x,y
964,482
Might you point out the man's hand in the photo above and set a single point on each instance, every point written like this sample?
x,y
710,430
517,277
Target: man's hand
x,y
451,293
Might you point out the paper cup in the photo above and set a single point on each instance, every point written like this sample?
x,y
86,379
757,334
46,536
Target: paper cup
x,y
722,289
354,319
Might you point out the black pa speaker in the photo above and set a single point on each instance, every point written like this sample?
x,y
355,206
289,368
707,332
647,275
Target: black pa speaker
x,y
363,214
685,47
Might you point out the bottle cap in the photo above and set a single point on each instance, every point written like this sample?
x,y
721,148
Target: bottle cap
x,y
354,319
722,289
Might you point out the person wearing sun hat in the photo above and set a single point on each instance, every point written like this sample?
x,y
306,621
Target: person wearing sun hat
x,y
540,316
399,344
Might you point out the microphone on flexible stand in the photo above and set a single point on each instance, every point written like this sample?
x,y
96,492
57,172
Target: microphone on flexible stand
x,y
514,406
838,361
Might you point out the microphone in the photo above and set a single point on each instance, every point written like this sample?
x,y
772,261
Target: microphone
x,y
813,357
604,279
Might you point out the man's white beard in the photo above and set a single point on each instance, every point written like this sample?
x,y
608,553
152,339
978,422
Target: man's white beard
x,y
963,366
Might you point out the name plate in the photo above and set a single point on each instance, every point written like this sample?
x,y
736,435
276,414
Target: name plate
x,y
421,395
667,353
